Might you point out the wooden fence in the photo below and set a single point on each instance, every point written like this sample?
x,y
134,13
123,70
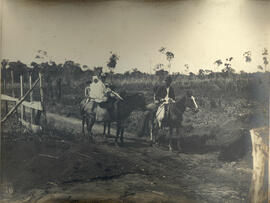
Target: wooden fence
x,y
34,108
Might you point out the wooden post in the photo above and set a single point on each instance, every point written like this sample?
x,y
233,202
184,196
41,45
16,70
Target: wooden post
x,y
31,98
21,88
258,188
5,85
4,79
42,96
12,82
1,151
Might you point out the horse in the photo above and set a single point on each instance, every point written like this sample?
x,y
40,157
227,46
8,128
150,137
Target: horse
x,y
118,112
173,118
102,112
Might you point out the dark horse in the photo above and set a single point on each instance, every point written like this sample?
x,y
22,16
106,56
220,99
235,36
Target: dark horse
x,y
173,118
118,112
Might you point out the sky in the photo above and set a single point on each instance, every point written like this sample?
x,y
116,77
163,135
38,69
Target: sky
x,y
198,32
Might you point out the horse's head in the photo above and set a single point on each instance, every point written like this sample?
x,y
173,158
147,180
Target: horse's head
x,y
191,102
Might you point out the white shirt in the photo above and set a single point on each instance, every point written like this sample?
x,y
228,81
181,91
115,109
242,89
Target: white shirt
x,y
98,91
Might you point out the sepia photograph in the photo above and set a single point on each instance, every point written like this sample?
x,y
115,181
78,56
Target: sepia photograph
x,y
133,101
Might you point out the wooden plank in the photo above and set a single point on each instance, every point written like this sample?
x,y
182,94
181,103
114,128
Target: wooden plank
x,y
33,105
8,98
33,127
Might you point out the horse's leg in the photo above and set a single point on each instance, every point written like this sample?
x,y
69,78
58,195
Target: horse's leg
x,y
178,139
104,129
83,122
170,138
90,126
151,131
109,128
118,131
122,134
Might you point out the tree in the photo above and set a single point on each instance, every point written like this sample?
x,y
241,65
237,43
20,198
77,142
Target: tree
x,y
159,67
201,73
135,73
169,56
265,59
186,68
227,71
218,62
242,72
112,62
191,75
247,56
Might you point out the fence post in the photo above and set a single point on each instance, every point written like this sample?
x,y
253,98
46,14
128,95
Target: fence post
x,y
1,151
12,82
31,98
42,96
21,88
5,86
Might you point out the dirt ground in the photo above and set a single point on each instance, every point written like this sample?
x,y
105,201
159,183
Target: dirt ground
x,y
63,166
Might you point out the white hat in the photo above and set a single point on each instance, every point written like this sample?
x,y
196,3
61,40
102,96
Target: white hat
x,y
95,77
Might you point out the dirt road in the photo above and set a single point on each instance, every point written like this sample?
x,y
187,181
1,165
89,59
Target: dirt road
x,y
65,166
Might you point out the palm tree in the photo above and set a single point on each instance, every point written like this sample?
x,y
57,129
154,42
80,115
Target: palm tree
x,y
169,56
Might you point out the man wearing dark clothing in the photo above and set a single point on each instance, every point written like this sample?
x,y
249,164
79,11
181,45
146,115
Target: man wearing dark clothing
x,y
164,93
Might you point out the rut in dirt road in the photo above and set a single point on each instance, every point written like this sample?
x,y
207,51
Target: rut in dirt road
x,y
75,125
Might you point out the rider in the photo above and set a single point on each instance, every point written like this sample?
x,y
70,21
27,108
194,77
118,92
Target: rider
x,y
98,93
164,94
